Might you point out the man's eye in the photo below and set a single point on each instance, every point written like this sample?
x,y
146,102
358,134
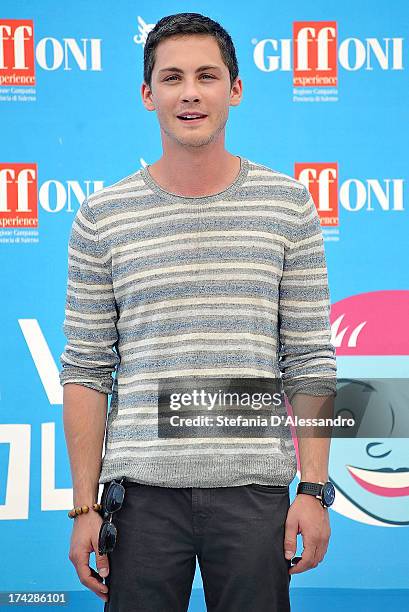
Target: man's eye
x,y
173,76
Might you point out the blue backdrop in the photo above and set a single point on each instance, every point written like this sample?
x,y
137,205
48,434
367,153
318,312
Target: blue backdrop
x,y
72,121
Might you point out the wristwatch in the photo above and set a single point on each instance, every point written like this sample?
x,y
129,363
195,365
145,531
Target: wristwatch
x,y
324,491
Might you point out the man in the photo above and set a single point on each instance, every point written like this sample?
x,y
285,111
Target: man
x,y
203,264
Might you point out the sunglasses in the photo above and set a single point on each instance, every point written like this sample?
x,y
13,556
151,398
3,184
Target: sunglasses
x,y
111,502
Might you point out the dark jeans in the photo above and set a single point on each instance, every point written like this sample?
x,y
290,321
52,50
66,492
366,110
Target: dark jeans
x,y
237,534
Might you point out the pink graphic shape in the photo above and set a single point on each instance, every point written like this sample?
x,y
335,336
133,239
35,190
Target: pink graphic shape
x,y
373,323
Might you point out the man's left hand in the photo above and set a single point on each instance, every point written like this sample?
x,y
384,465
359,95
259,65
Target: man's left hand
x,y
306,516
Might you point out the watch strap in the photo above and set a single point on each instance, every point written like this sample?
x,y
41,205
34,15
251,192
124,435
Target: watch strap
x,y
310,488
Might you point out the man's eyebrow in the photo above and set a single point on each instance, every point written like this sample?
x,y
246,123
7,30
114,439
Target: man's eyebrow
x,y
180,71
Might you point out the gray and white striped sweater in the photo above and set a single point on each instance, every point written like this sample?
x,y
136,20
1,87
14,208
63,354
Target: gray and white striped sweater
x,y
228,285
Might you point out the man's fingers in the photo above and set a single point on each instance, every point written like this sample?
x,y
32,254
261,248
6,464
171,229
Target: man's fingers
x,y
321,543
89,577
307,560
101,562
315,548
290,538
102,591
321,552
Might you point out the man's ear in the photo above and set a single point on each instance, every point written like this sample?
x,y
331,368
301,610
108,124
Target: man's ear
x,y
236,92
147,97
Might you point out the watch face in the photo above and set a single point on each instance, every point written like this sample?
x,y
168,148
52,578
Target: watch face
x,y
328,493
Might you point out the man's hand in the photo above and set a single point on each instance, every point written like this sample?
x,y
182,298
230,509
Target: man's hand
x,y
84,540
308,517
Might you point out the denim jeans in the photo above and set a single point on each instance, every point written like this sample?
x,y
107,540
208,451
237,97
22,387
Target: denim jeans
x,y
236,533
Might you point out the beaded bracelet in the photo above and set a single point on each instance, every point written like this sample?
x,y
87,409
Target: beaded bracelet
x,y
83,510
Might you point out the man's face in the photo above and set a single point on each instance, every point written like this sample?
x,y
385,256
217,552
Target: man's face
x,y
190,75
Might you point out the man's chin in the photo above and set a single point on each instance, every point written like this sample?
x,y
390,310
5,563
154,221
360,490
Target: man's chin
x,y
193,140
198,141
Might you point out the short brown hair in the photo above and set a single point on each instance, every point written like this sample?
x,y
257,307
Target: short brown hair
x,y
189,23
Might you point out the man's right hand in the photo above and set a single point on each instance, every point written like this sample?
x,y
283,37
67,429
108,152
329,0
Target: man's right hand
x,y
84,540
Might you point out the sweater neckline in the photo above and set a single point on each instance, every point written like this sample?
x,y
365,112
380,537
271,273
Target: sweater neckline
x,y
198,200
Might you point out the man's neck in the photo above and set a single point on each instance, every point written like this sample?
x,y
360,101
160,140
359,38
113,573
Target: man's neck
x,y
195,176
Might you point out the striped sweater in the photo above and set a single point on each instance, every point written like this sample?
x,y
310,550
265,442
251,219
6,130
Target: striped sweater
x,y
227,285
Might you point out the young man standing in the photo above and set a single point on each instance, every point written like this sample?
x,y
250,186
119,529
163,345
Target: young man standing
x,y
203,264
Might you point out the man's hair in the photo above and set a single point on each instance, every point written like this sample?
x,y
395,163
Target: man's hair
x,y
189,23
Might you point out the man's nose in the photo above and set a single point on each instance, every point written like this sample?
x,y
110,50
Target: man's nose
x,y
191,98
189,91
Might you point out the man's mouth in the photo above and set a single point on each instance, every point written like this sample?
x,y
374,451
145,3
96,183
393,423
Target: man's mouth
x,y
385,481
191,117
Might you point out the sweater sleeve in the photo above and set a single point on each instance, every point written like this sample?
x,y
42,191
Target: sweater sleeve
x,y
306,354
90,356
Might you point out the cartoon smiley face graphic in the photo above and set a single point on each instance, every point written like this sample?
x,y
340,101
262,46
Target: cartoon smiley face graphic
x,y
370,468
369,463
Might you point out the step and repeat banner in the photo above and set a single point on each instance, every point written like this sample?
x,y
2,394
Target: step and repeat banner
x,y
325,99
